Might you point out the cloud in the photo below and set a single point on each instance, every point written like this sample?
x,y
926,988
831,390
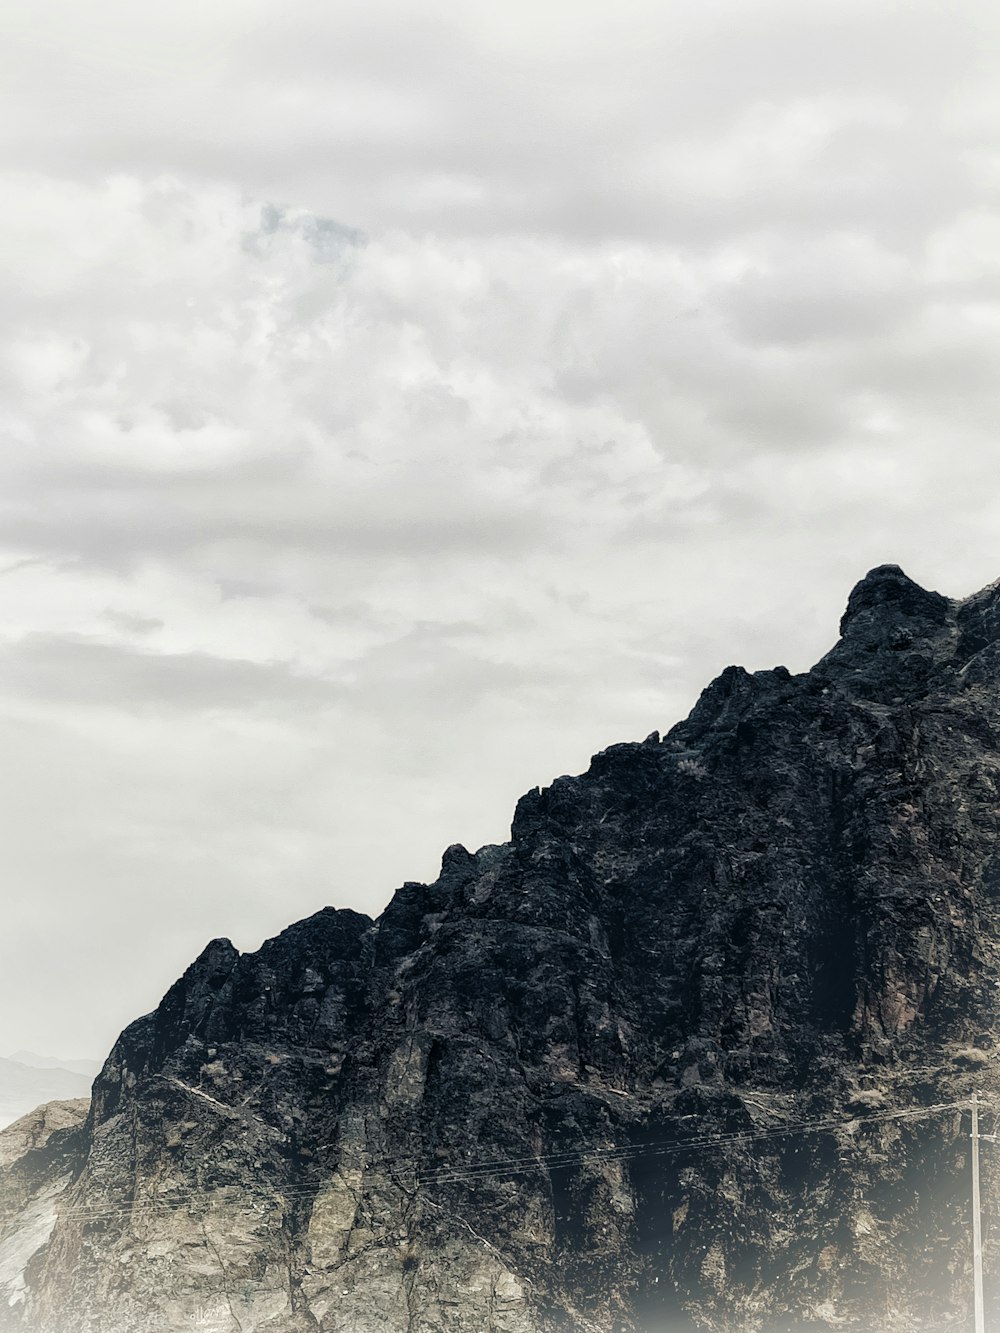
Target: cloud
x,y
640,120
88,674
132,625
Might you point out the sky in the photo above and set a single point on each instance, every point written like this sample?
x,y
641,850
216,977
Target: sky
x,y
401,402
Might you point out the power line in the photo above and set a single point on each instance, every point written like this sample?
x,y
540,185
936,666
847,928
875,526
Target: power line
x,y
499,1167
671,1146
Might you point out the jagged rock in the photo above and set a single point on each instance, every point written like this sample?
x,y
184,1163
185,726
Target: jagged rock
x,y
641,1068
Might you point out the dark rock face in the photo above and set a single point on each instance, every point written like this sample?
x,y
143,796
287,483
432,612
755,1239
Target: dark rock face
x,y
669,1060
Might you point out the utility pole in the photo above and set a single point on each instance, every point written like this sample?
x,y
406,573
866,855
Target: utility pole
x,y
977,1224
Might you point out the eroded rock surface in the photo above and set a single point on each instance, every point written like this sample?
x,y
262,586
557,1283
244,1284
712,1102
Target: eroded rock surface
x,y
39,1155
638,1070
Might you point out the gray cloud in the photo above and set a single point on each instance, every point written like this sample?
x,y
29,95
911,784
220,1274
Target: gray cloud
x,y
86,673
650,121
132,624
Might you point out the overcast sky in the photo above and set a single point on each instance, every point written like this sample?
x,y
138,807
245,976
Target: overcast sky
x,y
402,401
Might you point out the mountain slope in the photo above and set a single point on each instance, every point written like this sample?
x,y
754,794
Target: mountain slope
x,y
38,1155
687,1053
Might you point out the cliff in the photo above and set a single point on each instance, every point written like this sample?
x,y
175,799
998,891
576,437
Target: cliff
x,y
686,1053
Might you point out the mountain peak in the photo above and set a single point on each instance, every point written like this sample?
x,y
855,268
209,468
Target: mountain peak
x,y
739,942
886,593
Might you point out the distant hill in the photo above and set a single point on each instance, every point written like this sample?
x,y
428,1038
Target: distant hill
x,y
90,1068
24,1086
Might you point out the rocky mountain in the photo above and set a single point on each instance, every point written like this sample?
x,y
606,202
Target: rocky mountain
x,y
25,1084
39,1155
691,1051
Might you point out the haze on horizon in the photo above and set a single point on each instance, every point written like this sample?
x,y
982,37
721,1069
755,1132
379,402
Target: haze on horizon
x,y
402,403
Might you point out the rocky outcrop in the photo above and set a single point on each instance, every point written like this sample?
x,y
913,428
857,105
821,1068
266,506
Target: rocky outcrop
x,y
39,1155
688,1052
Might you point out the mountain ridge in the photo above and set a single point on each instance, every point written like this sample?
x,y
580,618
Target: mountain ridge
x,y
88,1068
23,1086
785,912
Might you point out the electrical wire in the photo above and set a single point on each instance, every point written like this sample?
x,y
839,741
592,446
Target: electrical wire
x,y
504,1167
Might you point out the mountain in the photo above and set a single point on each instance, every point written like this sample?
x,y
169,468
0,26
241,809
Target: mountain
x,y
692,1051
88,1068
24,1086
38,1157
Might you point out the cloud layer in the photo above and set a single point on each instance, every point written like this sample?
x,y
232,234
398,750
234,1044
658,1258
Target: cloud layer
x,y
400,404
